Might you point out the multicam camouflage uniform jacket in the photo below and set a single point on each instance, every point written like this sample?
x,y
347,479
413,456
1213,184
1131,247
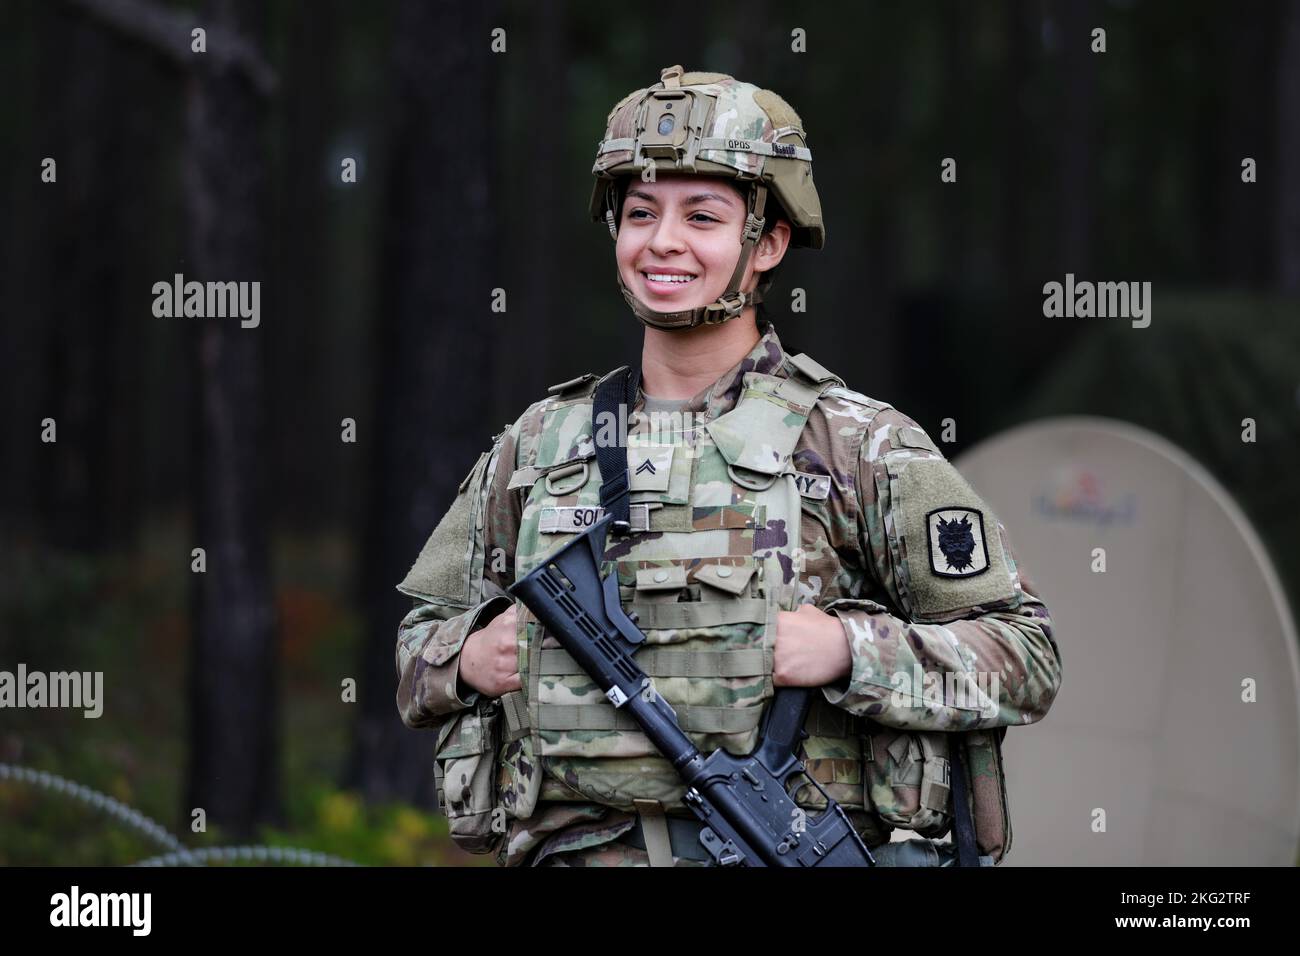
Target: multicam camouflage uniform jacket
x,y
946,631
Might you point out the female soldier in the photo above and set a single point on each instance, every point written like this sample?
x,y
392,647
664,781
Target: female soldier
x,y
785,530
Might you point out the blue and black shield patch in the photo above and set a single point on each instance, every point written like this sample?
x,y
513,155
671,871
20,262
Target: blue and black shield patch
x,y
957,548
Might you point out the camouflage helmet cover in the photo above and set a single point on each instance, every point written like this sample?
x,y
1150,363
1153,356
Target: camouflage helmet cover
x,y
732,129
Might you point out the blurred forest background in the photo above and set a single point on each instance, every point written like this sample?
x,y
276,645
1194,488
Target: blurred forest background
x,y
223,689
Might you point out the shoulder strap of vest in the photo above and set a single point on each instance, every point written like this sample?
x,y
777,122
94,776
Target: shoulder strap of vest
x,y
808,383
617,388
812,371
581,383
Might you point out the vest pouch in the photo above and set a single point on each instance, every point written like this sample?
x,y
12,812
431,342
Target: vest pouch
x,y
907,778
832,756
465,774
990,813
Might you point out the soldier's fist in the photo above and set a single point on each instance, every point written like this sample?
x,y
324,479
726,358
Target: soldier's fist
x,y
810,649
489,658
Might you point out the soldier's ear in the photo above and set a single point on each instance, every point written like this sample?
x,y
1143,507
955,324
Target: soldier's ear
x,y
773,245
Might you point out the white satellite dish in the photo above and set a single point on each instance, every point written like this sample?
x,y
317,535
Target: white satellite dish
x,y
1150,726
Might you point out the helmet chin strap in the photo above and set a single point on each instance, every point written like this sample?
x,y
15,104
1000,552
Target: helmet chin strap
x,y
726,306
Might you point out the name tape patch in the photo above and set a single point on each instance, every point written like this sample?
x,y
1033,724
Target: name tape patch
x,y
571,519
813,486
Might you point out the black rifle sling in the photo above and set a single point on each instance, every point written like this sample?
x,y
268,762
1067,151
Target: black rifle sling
x,y
963,829
618,389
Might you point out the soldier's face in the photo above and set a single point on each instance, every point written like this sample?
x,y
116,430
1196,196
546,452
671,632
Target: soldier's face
x,y
678,240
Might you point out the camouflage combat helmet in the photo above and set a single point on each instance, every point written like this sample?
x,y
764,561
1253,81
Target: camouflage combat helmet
x,y
710,124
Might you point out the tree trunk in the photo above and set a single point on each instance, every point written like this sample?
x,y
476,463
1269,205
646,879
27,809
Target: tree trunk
x,y
959,109
1020,21
435,328
298,345
1287,174
536,314
234,667
1239,242
1076,139
77,294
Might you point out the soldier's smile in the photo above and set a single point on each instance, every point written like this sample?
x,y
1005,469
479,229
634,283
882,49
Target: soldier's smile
x,y
667,283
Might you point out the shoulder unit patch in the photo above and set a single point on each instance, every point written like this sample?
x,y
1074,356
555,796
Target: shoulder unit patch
x,y
957,546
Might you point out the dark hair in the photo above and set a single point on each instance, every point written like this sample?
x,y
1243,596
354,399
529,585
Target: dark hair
x,y
772,211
